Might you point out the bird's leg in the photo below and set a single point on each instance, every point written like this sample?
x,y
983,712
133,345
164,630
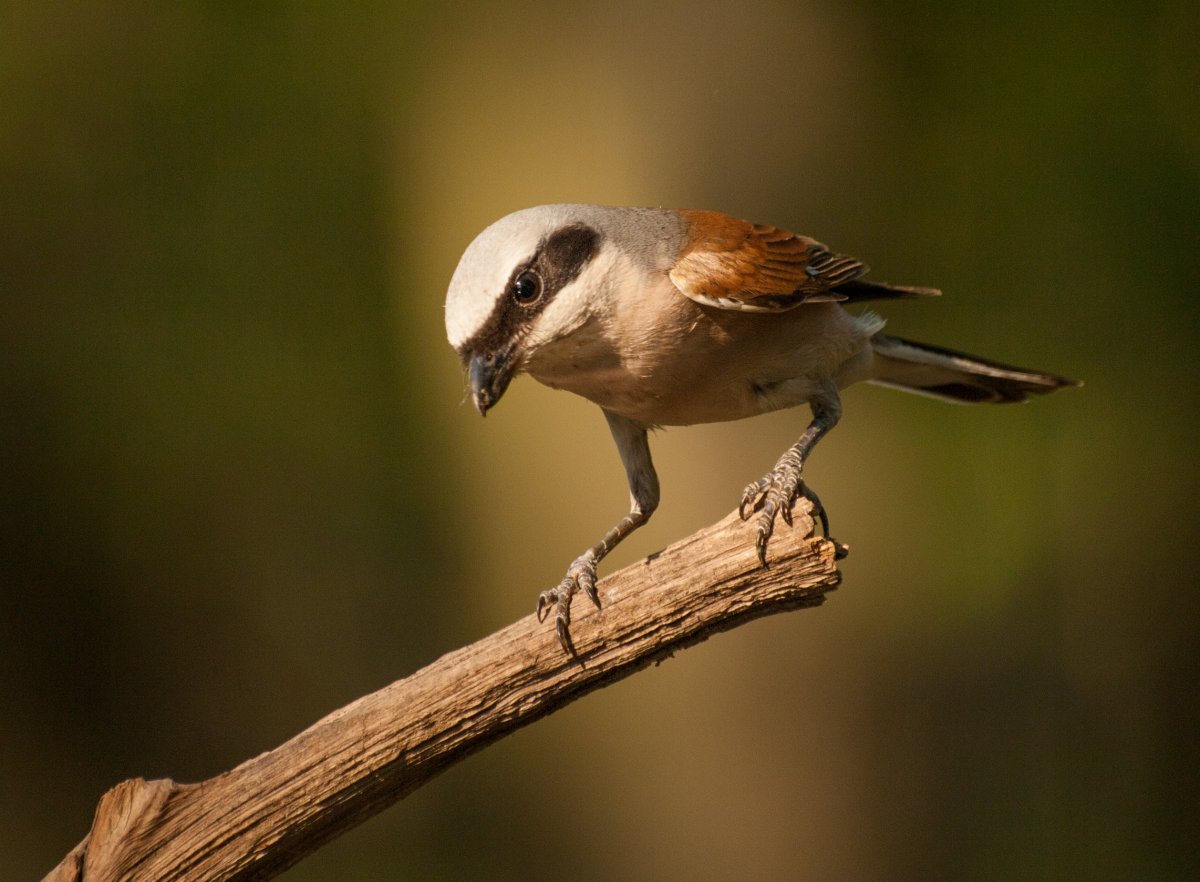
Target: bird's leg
x,y
581,574
779,488
634,448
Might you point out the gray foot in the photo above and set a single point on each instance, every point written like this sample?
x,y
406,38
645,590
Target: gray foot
x,y
581,574
774,494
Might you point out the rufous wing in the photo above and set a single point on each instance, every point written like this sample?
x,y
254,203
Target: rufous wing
x,y
734,264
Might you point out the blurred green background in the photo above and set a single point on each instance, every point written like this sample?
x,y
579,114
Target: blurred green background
x,y
240,484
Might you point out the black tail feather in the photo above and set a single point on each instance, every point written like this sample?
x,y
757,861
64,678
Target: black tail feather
x,y
956,376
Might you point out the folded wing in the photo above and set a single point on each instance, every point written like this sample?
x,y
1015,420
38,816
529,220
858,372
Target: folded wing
x,y
737,265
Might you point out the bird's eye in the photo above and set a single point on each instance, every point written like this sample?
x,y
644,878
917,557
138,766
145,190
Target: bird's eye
x,y
527,288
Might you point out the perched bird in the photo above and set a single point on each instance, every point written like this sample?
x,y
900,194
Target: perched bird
x,y
670,318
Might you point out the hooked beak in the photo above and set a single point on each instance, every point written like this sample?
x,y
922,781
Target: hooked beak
x,y
489,374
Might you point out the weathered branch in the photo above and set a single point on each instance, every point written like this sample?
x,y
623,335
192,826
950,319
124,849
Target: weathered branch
x,y
263,816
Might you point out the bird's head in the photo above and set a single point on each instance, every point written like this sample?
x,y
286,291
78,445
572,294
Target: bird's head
x,y
522,284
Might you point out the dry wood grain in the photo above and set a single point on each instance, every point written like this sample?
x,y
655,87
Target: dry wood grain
x,y
260,818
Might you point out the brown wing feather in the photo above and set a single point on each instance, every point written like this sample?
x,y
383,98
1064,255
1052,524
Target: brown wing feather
x,y
733,264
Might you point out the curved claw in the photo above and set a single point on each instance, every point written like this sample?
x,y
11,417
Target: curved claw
x,y
750,497
559,598
761,537
562,626
587,581
545,599
818,509
581,575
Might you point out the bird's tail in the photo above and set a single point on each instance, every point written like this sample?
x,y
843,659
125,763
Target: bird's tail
x,y
956,376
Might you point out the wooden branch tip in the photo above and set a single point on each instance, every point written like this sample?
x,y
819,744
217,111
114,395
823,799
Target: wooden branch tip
x,y
263,816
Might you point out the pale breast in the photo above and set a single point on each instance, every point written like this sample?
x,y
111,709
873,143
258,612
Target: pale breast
x,y
663,359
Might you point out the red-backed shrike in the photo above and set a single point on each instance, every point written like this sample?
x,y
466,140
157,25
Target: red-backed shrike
x,y
669,318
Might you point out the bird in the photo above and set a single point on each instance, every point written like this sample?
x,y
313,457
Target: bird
x,y
675,317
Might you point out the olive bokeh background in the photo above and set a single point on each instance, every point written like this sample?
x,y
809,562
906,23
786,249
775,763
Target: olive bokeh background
x,y
241,485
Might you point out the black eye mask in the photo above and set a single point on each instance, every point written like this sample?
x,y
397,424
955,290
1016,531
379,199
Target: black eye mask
x,y
558,261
